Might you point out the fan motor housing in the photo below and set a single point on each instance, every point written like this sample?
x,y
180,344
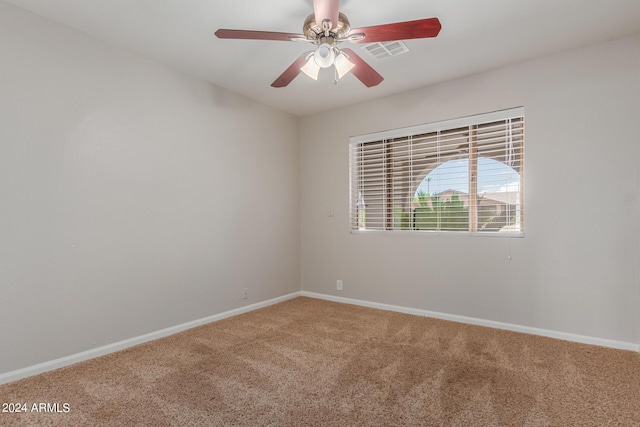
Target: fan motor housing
x,y
312,30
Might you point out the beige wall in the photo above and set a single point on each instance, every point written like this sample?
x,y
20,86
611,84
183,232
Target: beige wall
x,y
132,198
576,271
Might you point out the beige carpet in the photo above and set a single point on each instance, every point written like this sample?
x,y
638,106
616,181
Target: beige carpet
x,y
308,362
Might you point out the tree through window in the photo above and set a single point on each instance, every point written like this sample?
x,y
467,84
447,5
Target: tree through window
x,y
462,175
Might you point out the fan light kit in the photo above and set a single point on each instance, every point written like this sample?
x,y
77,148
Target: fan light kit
x,y
324,57
326,27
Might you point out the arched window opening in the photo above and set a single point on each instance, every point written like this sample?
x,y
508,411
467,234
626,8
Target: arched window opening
x,y
442,200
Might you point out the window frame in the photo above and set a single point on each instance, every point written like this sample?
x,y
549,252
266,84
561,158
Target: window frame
x,y
440,126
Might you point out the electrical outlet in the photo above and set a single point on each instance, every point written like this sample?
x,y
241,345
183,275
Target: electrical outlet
x,y
339,285
245,293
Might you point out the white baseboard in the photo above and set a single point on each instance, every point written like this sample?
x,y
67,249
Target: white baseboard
x,y
621,345
121,345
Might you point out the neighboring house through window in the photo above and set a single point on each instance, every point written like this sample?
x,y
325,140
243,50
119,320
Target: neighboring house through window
x,y
462,175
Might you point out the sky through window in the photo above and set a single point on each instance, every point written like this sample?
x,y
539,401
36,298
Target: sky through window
x,y
493,177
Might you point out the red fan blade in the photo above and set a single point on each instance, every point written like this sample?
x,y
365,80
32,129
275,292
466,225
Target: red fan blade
x,y
326,9
291,72
419,29
258,35
363,71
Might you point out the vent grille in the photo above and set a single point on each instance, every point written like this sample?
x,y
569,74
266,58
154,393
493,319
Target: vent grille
x,y
386,49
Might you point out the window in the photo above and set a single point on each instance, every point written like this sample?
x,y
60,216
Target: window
x,y
463,175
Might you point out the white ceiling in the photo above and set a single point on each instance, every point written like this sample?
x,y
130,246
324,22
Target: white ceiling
x,y
476,36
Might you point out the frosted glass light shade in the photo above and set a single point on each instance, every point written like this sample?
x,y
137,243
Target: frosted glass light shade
x,y
343,65
311,69
324,55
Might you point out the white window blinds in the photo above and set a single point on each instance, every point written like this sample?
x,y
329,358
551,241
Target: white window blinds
x,y
463,175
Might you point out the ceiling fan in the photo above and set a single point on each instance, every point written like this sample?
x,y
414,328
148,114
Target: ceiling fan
x,y
327,27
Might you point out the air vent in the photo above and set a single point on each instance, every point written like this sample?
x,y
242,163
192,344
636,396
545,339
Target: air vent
x,y
386,49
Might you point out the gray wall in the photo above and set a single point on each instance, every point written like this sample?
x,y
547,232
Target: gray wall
x,y
577,270
132,197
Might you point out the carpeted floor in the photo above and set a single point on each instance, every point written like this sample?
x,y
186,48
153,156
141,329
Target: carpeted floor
x,y
308,362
